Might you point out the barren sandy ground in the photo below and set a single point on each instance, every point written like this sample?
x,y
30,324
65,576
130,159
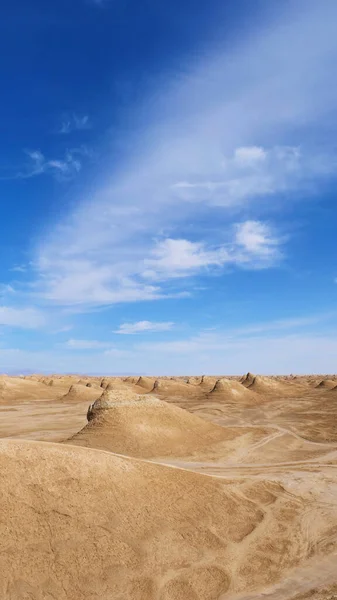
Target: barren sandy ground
x,y
169,489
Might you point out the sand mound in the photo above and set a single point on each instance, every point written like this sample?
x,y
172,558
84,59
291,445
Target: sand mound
x,y
82,382
269,385
194,380
17,389
78,393
131,379
248,379
144,426
233,391
206,380
262,385
64,379
79,524
93,384
104,383
145,383
328,384
115,385
173,387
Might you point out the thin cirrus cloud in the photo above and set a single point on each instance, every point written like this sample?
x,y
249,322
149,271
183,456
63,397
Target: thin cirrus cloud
x,y
220,139
139,275
222,339
63,168
74,122
252,244
25,318
19,268
144,327
74,344
252,171
280,354
284,353
38,164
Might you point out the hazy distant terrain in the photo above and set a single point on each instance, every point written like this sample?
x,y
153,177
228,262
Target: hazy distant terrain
x,y
196,488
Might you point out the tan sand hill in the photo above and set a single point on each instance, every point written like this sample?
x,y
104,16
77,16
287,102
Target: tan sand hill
x,y
116,385
82,382
80,524
15,389
248,379
61,381
93,384
234,391
328,384
131,379
86,524
271,387
104,382
174,388
146,427
79,393
146,383
194,380
207,381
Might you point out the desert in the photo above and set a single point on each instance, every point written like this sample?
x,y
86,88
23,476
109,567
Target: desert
x,y
168,293
181,488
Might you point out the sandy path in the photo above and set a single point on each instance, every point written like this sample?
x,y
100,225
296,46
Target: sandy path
x,y
317,572
43,420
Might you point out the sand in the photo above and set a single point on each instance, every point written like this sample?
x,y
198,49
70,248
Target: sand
x,y
146,427
201,488
234,391
82,392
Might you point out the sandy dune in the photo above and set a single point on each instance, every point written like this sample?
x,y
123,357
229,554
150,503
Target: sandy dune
x,y
83,393
145,427
82,523
234,391
15,388
201,488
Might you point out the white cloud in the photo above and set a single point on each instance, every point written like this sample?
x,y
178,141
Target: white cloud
x,y
74,122
62,329
259,347
27,318
280,324
227,133
19,268
86,344
179,258
143,326
88,283
6,289
249,155
291,353
251,172
61,169
117,353
253,245
215,339
256,239
137,273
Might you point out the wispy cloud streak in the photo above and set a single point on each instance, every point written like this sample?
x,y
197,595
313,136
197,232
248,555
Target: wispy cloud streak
x,y
74,122
219,141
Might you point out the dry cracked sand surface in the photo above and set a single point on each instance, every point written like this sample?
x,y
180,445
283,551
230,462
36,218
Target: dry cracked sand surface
x,y
200,488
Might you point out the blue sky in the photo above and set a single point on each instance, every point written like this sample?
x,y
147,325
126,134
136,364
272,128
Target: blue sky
x,y
168,177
